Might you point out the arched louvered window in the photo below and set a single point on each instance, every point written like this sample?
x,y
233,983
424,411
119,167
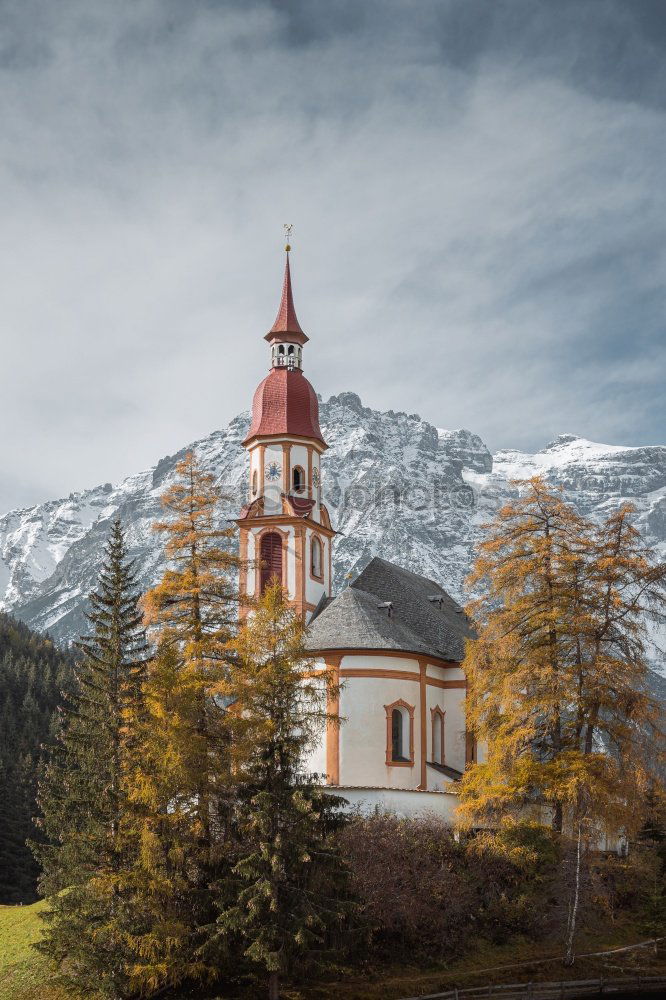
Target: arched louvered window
x,y
270,559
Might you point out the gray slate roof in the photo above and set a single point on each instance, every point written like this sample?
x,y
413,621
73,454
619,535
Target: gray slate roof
x,y
355,619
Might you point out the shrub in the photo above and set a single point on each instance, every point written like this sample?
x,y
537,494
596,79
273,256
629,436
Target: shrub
x,y
409,877
423,894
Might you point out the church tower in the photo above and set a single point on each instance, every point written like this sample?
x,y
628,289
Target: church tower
x,y
285,530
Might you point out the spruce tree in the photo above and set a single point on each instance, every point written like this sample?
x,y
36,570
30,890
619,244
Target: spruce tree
x,y
290,878
179,782
82,796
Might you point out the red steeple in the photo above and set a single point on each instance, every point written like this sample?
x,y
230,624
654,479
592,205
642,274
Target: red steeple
x,y
285,403
286,325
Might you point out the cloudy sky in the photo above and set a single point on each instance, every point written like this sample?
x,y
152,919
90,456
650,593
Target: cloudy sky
x,y
478,194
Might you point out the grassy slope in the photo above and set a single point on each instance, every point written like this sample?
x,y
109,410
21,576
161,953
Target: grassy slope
x,y
25,974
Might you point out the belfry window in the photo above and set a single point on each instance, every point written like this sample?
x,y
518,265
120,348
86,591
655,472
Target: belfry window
x,y
255,480
270,560
298,479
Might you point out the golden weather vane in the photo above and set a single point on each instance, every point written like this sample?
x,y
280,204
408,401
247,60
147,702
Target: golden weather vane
x,y
287,235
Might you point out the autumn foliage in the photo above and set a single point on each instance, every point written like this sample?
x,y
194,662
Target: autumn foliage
x,y
558,675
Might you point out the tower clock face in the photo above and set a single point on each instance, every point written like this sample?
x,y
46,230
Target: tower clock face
x,y
273,471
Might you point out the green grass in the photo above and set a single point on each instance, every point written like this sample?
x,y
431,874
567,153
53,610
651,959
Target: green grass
x,y
24,973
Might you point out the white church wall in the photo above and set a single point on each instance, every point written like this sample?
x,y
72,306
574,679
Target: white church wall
x,y
454,734
315,588
292,556
272,487
374,661
255,466
316,760
251,556
452,702
299,456
435,698
401,802
316,491
445,673
363,734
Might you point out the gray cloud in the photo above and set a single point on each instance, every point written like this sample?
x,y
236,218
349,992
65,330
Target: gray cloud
x,y
476,188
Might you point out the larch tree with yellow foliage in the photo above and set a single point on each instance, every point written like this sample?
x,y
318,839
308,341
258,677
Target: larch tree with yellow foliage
x,y
558,674
180,771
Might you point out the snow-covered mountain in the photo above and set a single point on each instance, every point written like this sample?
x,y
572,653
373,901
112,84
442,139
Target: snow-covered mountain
x,y
395,485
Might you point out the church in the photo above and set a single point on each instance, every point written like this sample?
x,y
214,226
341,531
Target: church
x,y
394,639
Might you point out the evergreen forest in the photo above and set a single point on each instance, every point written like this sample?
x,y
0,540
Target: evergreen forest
x,y
34,673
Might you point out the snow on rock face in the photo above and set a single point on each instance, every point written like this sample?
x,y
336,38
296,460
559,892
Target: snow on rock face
x,y
589,469
597,478
466,448
395,486
393,489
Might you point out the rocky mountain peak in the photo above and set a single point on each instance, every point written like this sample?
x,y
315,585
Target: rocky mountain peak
x,y
560,440
395,485
467,448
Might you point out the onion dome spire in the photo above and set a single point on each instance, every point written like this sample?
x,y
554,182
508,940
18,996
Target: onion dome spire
x,y
285,403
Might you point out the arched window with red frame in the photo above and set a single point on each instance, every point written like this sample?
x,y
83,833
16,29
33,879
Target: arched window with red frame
x,y
317,558
399,734
438,733
270,557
